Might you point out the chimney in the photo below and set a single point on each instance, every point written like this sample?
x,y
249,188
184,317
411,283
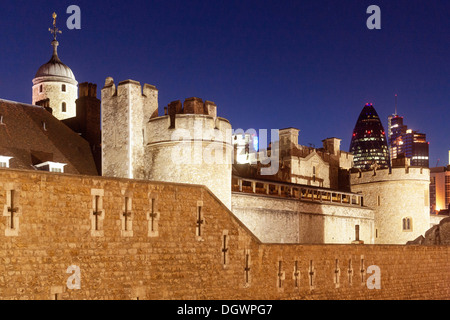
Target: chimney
x,y
332,145
86,89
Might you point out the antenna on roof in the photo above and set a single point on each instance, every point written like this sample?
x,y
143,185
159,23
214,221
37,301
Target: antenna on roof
x,y
395,105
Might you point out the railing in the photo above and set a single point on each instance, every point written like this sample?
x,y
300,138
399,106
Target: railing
x,y
299,192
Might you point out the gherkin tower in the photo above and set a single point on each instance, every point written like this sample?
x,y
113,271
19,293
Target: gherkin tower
x,y
369,144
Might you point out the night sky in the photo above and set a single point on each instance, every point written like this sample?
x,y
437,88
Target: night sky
x,y
309,64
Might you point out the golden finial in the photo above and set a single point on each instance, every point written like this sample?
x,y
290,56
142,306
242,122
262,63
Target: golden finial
x,y
55,30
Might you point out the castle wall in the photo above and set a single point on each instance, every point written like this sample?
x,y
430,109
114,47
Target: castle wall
x,y
197,150
52,90
125,112
403,193
275,220
172,261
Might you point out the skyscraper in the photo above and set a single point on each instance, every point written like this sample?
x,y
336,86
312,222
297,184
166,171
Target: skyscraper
x,y
369,144
406,143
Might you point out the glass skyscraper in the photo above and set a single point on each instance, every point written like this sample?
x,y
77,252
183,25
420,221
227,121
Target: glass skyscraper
x,y
369,145
404,142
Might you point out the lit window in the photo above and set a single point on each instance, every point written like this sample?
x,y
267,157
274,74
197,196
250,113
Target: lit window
x,y
4,161
51,166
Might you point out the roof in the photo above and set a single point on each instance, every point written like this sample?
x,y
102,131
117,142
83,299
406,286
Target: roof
x,y
55,68
31,135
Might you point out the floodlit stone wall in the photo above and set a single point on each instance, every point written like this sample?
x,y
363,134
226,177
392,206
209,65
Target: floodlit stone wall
x,y
82,237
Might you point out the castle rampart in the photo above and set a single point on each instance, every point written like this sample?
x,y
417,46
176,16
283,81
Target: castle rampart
x,y
187,258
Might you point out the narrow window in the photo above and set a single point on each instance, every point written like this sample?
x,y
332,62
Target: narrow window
x,y
350,272
97,213
280,275
153,216
296,274
225,248
407,224
63,88
311,273
64,107
357,232
247,268
127,216
12,212
200,221
40,88
337,273
362,271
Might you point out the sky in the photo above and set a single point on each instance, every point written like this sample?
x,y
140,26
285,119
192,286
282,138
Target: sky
x,y
309,64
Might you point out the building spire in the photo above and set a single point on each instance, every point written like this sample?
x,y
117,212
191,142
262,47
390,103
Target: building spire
x,y
55,32
395,105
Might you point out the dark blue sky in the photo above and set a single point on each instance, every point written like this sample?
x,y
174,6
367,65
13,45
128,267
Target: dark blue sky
x,y
309,64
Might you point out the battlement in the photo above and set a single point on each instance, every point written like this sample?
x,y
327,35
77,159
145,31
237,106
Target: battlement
x,y
195,118
192,126
191,106
111,90
393,174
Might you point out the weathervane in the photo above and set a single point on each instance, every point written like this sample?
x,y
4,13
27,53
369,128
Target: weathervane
x,y
55,30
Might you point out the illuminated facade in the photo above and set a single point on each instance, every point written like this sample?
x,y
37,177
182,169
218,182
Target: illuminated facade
x,y
369,144
404,142
440,189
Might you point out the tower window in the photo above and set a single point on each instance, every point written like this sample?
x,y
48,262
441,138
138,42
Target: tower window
x,y
64,107
407,224
40,88
63,88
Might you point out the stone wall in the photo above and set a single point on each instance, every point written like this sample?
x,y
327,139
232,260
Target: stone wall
x,y
277,220
394,196
54,232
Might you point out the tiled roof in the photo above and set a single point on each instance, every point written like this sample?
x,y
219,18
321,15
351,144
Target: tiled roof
x,y
31,135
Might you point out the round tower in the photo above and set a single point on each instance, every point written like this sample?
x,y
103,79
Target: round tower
x,y
190,144
400,200
54,85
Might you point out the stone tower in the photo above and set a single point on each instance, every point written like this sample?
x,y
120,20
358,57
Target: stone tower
x,y
400,200
54,85
191,144
125,113
188,144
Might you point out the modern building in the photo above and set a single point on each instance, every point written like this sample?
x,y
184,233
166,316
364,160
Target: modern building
x,y
369,144
440,189
406,143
